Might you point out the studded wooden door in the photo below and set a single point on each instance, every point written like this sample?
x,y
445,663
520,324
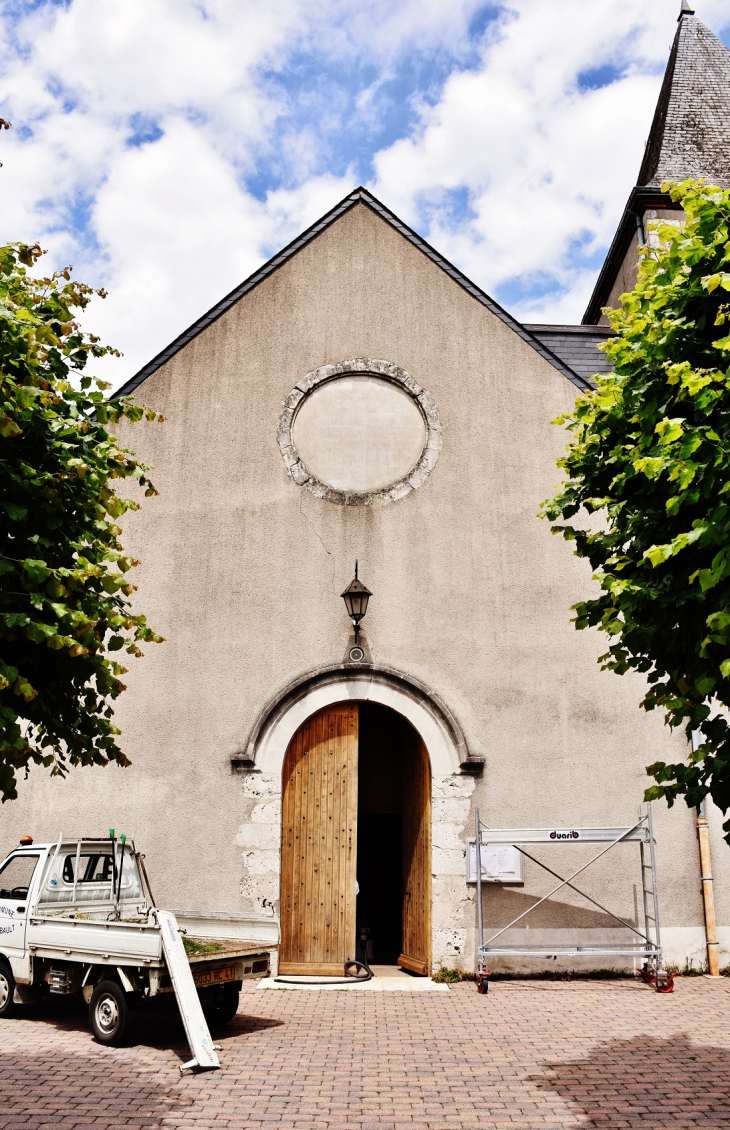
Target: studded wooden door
x,y
319,844
416,954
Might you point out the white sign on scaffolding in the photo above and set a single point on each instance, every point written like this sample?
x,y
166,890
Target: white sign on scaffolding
x,y
501,863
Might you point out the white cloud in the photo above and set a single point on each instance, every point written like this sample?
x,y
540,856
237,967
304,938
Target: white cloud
x,y
169,226
249,137
547,165
179,250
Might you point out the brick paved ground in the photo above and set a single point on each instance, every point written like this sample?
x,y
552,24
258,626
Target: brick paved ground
x,y
529,1055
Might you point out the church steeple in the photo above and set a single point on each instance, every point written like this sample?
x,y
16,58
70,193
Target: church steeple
x,y
690,134
689,137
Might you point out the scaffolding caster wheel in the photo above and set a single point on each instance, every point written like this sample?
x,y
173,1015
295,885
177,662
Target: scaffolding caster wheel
x,y
648,974
664,981
483,985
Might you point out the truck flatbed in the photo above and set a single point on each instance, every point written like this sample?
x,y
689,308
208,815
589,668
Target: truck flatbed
x,y
77,917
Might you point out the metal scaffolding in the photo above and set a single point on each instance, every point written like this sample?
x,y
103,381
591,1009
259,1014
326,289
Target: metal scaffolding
x,y
647,946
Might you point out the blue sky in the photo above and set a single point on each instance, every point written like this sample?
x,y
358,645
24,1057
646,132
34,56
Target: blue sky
x,y
166,147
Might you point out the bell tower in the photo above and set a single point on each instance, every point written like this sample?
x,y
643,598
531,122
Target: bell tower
x,y
689,137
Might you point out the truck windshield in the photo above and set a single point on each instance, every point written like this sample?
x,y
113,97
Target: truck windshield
x,y
16,875
95,868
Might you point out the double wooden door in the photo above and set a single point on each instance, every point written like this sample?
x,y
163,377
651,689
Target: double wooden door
x,y
319,847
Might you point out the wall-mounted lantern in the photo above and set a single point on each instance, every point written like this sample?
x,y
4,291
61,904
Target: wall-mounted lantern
x,y
356,597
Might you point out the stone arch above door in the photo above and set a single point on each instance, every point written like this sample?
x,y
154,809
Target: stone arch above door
x,y
452,779
267,743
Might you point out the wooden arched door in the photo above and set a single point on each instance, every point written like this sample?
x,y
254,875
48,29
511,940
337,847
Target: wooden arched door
x,y
319,844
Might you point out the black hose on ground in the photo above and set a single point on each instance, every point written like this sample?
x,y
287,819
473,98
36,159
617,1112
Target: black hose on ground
x,y
346,980
366,976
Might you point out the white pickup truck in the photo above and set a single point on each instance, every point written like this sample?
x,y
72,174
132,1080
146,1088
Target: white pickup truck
x,y
78,917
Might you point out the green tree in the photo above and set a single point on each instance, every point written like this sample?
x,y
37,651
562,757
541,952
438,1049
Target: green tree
x,y
63,573
649,457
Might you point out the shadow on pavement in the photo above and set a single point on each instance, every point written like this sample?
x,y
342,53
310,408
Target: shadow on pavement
x,y
158,1023
647,1083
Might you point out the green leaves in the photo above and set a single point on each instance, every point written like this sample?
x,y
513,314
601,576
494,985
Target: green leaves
x,y
669,430
658,553
711,282
64,587
649,454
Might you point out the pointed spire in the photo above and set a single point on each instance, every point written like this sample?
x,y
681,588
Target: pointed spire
x,y
690,134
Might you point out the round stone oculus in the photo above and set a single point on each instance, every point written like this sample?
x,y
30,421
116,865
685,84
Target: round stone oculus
x,y
359,433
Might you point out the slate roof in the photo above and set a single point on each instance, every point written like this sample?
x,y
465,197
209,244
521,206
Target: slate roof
x,y
690,134
358,196
577,346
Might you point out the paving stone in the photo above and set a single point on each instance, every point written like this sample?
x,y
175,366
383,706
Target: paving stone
x,y
529,1055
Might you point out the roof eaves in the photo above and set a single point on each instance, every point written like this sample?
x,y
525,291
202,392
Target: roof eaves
x,y
359,195
640,199
561,327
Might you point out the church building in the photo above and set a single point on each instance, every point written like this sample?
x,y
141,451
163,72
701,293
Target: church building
x,y
358,408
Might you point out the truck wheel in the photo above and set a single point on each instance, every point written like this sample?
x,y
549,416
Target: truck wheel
x,y
111,1014
7,989
220,1007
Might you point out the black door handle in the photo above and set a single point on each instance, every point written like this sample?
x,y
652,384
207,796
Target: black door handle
x,y
20,909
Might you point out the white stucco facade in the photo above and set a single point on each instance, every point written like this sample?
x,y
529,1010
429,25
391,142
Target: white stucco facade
x,y
468,634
